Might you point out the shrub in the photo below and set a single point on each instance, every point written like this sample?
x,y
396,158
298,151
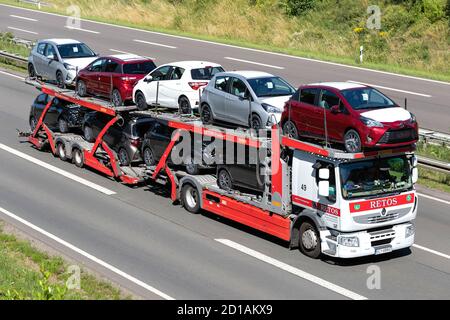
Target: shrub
x,y
298,7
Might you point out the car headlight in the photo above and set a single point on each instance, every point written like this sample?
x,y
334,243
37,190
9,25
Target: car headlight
x,y
371,123
348,241
413,119
270,109
69,67
410,230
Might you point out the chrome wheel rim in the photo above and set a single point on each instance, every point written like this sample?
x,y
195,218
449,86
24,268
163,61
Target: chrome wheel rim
x,y
77,157
191,197
224,180
309,239
61,151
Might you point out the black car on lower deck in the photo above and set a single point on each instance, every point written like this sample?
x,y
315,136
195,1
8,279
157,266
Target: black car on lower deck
x,y
61,116
124,137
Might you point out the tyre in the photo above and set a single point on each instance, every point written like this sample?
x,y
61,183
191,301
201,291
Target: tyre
x,y
78,158
141,103
60,80
63,125
88,134
149,157
116,98
61,151
123,156
309,240
190,198
81,88
206,115
352,141
224,180
33,123
290,130
192,169
184,106
31,71
255,122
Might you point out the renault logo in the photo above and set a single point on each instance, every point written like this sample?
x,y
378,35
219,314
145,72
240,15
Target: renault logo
x,y
383,212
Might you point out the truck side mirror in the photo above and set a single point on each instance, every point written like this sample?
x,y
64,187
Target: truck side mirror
x,y
324,188
324,173
415,175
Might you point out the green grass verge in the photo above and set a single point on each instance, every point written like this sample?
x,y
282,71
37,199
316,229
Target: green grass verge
x,y
28,273
432,151
434,180
436,75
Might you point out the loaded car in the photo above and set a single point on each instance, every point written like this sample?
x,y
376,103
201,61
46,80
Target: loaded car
x,y
175,85
245,98
113,77
59,60
125,138
356,115
61,116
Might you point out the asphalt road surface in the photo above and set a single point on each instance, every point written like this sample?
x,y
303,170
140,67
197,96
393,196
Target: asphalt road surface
x,y
428,99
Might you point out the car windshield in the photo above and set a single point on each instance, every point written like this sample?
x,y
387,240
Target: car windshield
x,y
143,67
271,87
205,73
366,98
374,177
141,127
75,50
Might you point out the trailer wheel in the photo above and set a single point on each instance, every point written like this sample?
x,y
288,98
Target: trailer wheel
x,y
78,158
61,151
190,198
309,240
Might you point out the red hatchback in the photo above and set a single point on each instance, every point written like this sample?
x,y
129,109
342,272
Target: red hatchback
x,y
356,115
113,77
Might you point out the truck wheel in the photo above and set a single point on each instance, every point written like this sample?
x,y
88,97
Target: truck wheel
x,y
61,151
190,198
78,158
63,125
224,180
309,242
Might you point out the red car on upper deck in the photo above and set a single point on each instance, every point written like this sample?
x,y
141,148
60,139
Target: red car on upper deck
x,y
356,115
113,77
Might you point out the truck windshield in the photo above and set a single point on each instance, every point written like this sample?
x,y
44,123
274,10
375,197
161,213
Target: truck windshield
x,y
374,177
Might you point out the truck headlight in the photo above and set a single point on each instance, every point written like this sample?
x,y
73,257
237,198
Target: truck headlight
x,y
348,241
410,230
270,109
371,123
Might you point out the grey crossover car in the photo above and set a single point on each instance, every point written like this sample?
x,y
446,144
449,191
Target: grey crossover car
x,y
245,98
59,60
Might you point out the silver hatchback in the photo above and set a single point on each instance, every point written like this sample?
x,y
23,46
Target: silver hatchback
x,y
59,60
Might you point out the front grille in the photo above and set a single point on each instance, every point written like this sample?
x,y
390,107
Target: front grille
x,y
381,242
398,136
382,235
379,218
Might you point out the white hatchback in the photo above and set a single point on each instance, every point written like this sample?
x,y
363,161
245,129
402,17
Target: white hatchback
x,y
175,85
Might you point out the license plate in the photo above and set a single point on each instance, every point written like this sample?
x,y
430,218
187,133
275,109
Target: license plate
x,y
382,250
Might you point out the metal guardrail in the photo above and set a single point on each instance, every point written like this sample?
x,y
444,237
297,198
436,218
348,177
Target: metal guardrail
x,y
432,164
14,58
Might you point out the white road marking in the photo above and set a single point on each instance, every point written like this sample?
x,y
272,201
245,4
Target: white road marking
x,y
434,198
391,89
237,47
126,52
12,75
23,18
57,170
446,256
22,30
253,62
155,44
87,255
295,271
80,29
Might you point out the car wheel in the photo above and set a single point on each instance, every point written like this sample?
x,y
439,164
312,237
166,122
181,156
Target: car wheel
x,y
190,198
192,169
290,130
78,158
224,180
184,106
63,125
33,123
255,122
309,240
124,159
60,80
141,103
31,71
81,88
206,115
88,134
352,141
116,98
61,151
149,157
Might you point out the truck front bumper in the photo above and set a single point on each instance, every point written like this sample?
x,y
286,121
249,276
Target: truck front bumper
x,y
366,243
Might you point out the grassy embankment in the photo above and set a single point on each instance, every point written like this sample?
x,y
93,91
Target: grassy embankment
x,y
414,37
29,273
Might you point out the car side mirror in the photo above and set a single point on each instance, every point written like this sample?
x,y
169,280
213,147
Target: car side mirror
x,y
148,79
242,96
335,109
52,57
